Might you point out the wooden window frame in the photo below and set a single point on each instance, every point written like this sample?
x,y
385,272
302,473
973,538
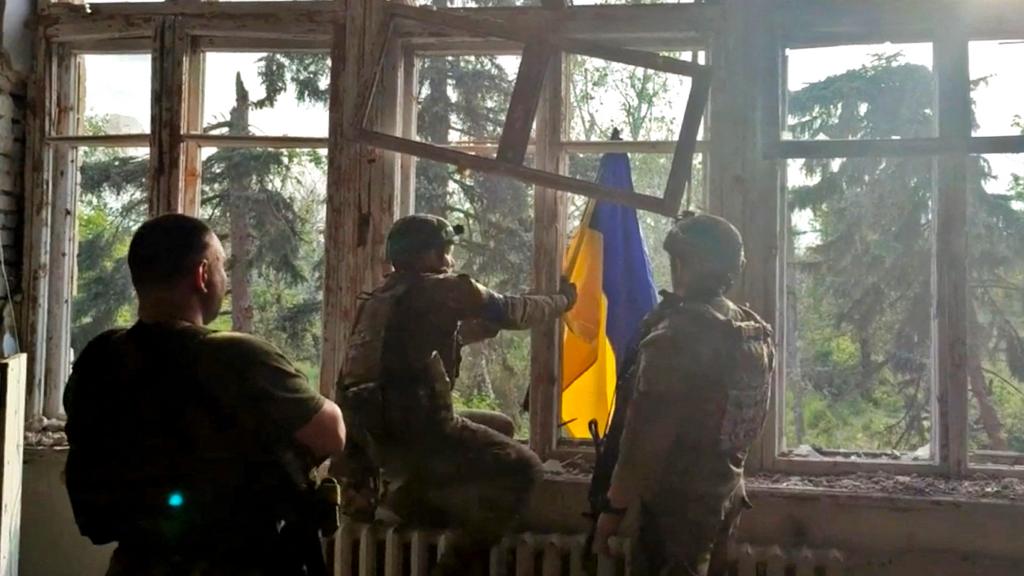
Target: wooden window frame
x,y
949,32
538,52
753,147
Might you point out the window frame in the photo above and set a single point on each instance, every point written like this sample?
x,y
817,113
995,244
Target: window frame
x,y
750,147
950,34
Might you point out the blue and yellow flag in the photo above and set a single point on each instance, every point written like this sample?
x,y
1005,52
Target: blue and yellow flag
x,y
608,263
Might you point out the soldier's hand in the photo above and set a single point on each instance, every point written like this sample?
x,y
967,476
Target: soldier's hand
x,y
607,526
568,289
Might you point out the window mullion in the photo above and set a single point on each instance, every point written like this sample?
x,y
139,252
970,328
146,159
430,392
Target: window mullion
x,y
193,164
548,239
950,254
165,177
62,227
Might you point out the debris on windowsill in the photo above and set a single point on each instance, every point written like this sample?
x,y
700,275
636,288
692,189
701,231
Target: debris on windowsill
x,y
977,487
811,452
575,467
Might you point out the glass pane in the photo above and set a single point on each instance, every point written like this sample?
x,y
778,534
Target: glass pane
x,y
861,92
117,93
268,207
858,309
112,203
285,93
644,104
465,98
996,87
996,312
650,173
497,250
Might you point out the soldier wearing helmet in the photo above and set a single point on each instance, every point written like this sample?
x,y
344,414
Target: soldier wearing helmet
x,y
702,382
455,471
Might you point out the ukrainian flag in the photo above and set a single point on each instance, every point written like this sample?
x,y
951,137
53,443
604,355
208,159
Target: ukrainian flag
x,y
608,263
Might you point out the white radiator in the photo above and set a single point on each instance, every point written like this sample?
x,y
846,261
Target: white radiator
x,y
368,550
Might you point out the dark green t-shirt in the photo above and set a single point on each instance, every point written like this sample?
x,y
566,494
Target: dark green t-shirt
x,y
175,421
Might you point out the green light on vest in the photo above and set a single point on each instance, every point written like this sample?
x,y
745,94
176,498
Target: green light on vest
x,y
175,500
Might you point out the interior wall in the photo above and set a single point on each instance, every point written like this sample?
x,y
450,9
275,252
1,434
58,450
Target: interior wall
x,y
15,61
50,542
17,35
879,536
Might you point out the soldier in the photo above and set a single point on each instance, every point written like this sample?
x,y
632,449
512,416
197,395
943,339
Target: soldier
x,y
702,386
192,448
462,471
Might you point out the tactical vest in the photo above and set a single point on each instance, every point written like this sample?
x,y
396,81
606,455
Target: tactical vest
x,y
719,360
749,363
366,345
399,365
724,366
724,369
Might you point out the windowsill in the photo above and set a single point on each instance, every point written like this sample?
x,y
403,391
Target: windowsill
x,y
867,487
864,512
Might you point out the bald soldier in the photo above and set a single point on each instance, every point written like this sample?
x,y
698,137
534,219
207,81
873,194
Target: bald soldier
x,y
444,470
701,396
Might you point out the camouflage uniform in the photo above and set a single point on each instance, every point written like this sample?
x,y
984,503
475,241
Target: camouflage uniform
x,y
402,361
703,383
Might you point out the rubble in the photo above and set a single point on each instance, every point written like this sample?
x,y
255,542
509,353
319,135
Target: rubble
x,y
977,487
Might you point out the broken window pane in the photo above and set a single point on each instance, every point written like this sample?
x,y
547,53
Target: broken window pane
x,y
117,94
286,93
858,309
643,104
269,207
111,203
497,251
995,315
881,91
465,98
996,87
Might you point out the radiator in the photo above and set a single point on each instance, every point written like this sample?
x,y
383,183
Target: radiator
x,y
372,550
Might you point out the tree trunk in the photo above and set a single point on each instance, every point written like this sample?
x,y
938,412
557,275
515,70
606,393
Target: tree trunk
x,y
990,421
238,209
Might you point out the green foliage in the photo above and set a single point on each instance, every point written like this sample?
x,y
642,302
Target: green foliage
x,y
860,274
112,203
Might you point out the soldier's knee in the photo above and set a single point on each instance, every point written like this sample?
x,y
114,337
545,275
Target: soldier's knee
x,y
527,470
496,421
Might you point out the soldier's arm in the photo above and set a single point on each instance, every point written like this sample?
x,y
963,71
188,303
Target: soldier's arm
x,y
324,434
485,312
275,398
651,422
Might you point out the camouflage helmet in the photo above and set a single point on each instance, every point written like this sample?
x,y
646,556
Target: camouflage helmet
x,y
418,233
710,243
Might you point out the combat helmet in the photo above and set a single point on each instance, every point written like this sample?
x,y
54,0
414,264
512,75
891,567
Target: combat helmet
x,y
418,233
708,243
